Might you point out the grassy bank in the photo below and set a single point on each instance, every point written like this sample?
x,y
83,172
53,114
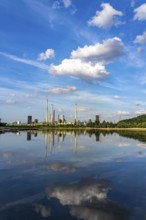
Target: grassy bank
x,y
47,128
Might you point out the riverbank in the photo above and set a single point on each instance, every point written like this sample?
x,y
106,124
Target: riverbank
x,y
46,128
16,129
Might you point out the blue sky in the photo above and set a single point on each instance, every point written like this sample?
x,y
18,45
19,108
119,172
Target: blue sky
x,y
72,51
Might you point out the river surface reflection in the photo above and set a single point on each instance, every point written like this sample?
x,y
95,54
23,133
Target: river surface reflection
x,y
71,175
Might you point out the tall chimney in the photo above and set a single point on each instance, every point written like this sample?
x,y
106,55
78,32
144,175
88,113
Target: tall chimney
x,y
47,111
52,116
75,113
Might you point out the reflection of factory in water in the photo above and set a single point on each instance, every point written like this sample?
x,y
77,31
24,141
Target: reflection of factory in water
x,y
60,137
57,136
29,135
49,142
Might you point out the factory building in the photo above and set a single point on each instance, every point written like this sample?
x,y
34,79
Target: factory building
x,y
97,119
52,115
61,119
29,119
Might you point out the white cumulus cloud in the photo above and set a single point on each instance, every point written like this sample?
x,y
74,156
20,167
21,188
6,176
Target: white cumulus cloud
x,y
106,18
141,39
88,63
66,90
48,54
140,13
102,52
80,69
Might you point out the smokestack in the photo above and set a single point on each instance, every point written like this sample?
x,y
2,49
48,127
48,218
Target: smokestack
x,y
75,113
52,119
47,111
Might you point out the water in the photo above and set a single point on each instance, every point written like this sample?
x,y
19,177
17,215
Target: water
x,y
73,175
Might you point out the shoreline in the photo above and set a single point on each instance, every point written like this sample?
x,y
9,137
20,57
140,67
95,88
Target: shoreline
x,y
43,128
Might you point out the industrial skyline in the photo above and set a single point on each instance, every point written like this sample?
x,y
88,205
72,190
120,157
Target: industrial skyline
x,y
50,117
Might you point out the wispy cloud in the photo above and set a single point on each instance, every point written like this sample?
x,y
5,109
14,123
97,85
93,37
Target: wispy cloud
x,y
140,112
56,5
116,97
67,3
58,91
44,11
25,61
11,96
134,58
123,113
25,86
110,86
83,109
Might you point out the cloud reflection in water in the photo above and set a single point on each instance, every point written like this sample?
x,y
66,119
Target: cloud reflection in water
x,y
88,200
104,213
65,167
43,210
79,193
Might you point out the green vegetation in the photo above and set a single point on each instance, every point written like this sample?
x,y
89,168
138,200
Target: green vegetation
x,y
136,122
137,135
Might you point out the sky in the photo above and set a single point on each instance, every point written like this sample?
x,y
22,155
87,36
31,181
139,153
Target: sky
x,y
89,53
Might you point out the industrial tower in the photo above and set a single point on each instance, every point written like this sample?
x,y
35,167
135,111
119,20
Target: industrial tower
x,y
75,121
47,110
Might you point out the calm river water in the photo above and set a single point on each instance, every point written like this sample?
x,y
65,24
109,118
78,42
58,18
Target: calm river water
x,y
73,175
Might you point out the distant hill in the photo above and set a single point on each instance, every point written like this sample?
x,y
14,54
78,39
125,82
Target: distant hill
x,y
139,121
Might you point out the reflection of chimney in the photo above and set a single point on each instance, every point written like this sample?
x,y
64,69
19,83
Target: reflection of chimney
x,y
75,142
51,137
63,137
46,145
49,141
58,137
47,111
